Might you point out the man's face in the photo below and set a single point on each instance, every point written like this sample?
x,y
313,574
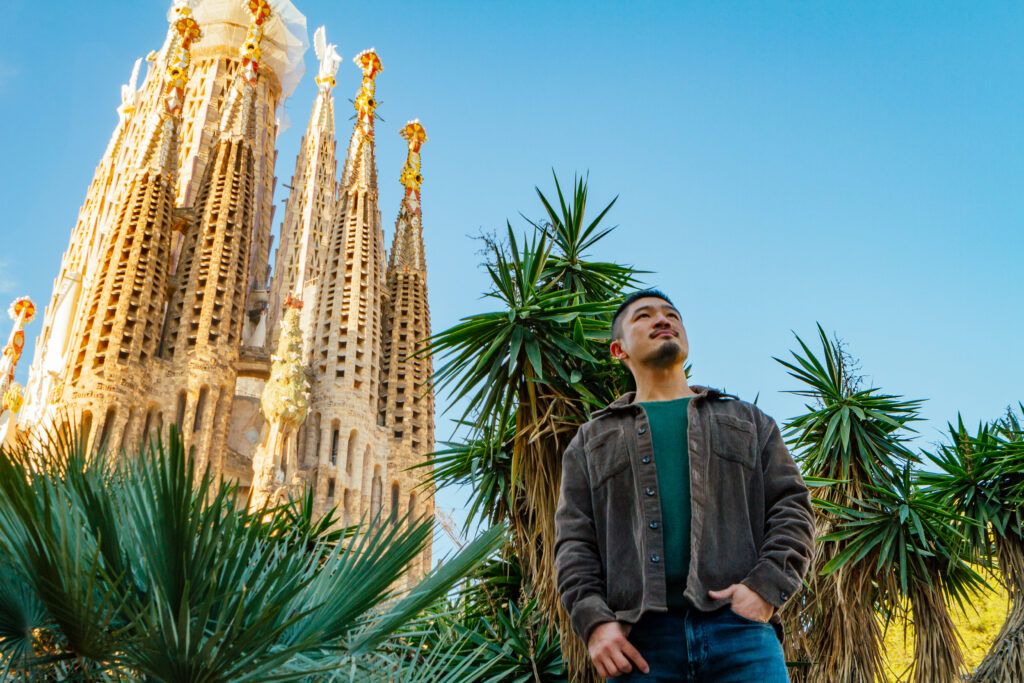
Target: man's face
x,y
651,334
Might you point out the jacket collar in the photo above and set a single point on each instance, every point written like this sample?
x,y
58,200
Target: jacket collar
x,y
627,400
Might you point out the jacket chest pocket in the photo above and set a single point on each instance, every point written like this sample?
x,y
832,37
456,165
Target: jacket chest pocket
x,y
606,457
735,439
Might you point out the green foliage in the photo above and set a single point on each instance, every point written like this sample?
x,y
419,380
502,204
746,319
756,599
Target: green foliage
x,y
552,319
530,371
854,438
847,432
906,532
137,567
485,626
483,464
889,542
981,475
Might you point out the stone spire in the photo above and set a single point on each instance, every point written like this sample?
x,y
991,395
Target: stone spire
x,y
360,164
407,247
348,302
261,43
204,327
64,316
119,332
310,205
347,445
406,400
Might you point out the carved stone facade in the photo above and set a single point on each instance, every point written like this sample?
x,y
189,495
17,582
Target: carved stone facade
x,y
165,311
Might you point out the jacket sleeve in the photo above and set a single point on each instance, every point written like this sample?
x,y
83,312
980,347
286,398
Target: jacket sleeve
x,y
578,567
788,546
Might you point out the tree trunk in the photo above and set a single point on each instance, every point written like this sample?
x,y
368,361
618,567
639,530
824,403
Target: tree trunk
x,y
938,651
544,426
1004,661
834,625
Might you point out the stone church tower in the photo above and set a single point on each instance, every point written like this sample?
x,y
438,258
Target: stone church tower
x,y
406,404
165,311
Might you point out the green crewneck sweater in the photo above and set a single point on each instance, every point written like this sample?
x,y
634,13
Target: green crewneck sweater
x,y
668,423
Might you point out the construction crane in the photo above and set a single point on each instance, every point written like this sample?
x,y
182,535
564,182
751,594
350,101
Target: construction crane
x,y
452,531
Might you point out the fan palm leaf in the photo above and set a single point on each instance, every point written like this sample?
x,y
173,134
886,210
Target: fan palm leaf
x,y
141,567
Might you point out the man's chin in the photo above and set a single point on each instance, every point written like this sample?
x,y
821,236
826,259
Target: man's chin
x,y
669,353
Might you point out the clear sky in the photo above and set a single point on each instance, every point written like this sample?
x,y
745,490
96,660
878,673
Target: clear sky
x,y
777,163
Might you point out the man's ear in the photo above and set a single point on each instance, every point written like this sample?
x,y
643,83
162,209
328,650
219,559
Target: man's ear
x,y
617,351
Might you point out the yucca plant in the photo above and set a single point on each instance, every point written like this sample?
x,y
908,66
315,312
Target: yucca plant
x,y
522,644
483,464
137,567
981,475
848,440
507,639
536,365
919,552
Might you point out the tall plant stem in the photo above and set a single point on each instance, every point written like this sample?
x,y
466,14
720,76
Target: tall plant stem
x,y
844,641
544,424
938,651
1004,661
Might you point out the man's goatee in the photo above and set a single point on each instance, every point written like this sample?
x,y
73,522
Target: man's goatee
x,y
666,355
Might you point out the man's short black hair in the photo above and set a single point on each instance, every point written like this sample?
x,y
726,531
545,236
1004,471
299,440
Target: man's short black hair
x,y
642,294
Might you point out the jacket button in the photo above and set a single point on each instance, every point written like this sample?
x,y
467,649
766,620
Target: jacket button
x,y
653,524
646,460
649,490
784,595
655,559
641,430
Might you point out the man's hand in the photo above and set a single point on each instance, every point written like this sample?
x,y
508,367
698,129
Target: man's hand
x,y
611,653
746,602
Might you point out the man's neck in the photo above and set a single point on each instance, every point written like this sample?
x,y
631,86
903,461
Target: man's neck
x,y
662,384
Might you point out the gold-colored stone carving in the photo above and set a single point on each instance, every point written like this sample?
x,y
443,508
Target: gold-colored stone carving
x,y
415,135
365,102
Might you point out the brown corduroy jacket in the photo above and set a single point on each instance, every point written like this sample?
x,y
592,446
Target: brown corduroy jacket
x,y
751,515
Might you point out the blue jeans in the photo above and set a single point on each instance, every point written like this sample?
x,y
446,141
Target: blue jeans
x,y
707,647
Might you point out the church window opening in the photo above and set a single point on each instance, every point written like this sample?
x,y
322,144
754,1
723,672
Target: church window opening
x,y
350,455
180,415
375,495
200,407
108,425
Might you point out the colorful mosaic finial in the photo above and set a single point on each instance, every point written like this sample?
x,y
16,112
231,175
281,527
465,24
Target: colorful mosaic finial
x,y
13,398
407,252
22,311
329,59
187,30
415,135
259,13
365,103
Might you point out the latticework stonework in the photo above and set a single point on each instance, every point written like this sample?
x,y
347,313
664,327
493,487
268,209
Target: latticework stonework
x,y
164,310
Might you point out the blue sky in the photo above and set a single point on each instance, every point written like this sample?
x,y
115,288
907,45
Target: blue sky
x,y
777,164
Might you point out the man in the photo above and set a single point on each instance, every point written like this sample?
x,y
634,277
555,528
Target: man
x,y
683,524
